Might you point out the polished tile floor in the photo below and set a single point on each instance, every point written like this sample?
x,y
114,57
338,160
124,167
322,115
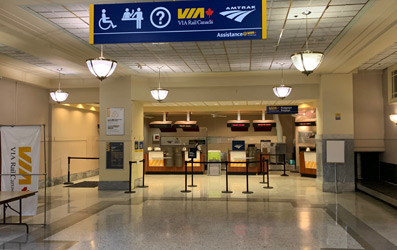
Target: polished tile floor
x,y
292,215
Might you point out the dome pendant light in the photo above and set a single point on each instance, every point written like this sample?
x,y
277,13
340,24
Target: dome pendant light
x,y
101,67
159,94
282,91
59,95
307,61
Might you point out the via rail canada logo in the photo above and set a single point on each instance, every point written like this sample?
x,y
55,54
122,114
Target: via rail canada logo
x,y
238,13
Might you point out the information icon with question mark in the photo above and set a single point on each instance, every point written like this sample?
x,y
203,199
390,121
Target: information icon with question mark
x,y
157,17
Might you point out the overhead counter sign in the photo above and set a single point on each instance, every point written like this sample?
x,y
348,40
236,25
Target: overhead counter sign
x,y
179,21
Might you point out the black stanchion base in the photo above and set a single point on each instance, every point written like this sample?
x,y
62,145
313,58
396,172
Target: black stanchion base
x,y
185,191
142,186
284,175
227,192
68,183
130,192
263,182
268,187
192,186
247,192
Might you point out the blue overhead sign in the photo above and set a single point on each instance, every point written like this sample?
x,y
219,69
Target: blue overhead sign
x,y
177,21
282,110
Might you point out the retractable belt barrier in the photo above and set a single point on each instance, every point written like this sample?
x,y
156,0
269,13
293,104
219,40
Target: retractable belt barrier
x,y
283,174
77,158
130,191
227,191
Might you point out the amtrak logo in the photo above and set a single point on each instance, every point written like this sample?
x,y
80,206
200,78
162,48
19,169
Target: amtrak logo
x,y
238,146
238,13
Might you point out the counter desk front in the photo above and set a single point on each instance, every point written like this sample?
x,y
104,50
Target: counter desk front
x,y
157,163
308,163
237,163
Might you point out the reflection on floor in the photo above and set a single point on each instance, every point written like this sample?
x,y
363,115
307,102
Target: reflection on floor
x,y
293,215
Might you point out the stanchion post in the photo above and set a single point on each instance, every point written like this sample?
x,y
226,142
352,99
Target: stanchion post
x,y
268,183
246,173
192,185
185,191
143,175
129,189
68,182
284,174
227,191
262,169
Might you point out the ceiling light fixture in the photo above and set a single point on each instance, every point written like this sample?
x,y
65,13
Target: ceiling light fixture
x,y
101,67
59,95
282,91
159,94
307,61
393,118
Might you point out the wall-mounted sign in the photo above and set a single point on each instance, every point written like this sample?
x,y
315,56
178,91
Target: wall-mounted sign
x,y
156,137
115,121
192,153
114,155
141,146
177,21
282,110
238,145
338,117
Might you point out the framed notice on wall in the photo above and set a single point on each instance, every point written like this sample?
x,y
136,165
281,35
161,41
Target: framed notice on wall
x,y
114,155
115,121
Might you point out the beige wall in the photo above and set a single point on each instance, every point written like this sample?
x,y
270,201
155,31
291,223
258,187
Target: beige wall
x,y
336,91
74,133
24,104
368,111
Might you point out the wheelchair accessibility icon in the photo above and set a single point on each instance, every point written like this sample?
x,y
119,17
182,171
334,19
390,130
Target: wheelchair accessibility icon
x,y
105,23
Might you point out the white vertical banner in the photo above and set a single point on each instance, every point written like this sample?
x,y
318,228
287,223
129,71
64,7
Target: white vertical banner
x,y
20,156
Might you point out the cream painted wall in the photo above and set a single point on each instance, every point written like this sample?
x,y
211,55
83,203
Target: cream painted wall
x,y
24,104
368,111
336,97
74,133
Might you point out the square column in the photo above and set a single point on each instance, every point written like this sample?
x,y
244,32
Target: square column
x,y
116,144
335,122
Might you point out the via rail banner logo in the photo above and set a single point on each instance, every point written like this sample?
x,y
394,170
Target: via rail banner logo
x,y
20,158
178,21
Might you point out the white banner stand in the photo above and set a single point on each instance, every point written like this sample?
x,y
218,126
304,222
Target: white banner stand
x,y
335,154
36,174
